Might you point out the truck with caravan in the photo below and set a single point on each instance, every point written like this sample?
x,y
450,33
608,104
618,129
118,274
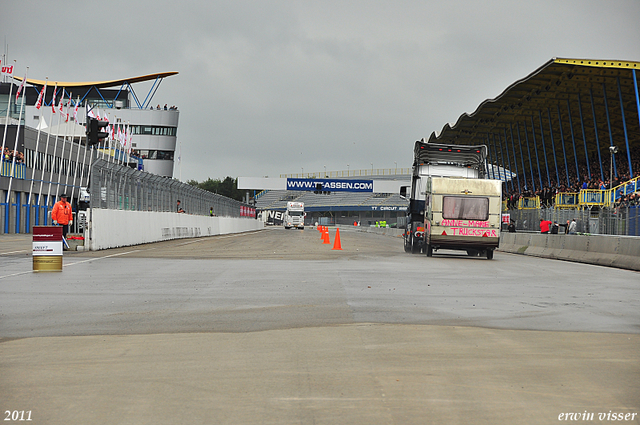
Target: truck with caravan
x,y
451,204
294,215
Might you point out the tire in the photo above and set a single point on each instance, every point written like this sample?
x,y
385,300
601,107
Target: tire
x,y
415,247
429,251
472,253
407,245
489,254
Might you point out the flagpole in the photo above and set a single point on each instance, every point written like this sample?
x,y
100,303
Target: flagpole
x,y
6,122
84,161
111,158
35,156
46,153
66,134
55,149
129,142
15,144
75,174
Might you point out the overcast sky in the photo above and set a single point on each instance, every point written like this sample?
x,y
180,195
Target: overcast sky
x,y
272,87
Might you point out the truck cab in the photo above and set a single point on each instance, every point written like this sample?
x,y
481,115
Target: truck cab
x,y
294,215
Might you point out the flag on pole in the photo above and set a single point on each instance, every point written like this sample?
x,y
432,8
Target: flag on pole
x,y
21,86
60,104
53,99
75,112
68,106
41,96
128,139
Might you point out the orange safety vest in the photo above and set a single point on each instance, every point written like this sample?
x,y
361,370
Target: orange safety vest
x,y
62,212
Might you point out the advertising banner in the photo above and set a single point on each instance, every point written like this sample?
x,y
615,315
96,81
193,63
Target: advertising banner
x,y
274,218
330,185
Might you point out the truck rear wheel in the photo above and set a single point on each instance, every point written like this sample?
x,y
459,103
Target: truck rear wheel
x,y
489,254
429,251
415,246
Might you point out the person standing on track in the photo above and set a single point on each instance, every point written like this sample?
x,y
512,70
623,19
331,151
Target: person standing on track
x,y
62,214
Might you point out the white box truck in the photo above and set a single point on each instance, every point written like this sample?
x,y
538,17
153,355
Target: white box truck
x,y
294,215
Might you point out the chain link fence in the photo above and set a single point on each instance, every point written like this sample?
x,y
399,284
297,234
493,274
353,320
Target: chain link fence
x,y
622,221
115,186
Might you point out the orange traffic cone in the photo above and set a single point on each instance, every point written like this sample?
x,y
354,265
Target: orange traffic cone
x,y
325,239
336,243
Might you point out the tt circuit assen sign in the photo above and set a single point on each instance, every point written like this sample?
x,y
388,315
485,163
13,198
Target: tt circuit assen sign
x,y
331,185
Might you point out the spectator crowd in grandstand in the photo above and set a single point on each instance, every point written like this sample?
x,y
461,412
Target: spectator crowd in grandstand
x,y
548,193
8,156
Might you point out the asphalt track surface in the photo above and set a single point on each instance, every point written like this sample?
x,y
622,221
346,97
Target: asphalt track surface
x,y
274,327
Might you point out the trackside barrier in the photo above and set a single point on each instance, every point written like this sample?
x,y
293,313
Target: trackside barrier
x,y
614,251
386,231
116,228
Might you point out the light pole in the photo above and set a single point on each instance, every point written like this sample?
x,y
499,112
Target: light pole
x,y
302,171
347,170
325,171
372,168
396,162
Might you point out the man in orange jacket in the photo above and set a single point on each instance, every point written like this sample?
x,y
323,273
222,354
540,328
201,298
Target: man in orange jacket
x,y
62,214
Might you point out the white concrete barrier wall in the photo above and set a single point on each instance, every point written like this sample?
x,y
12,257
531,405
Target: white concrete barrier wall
x,y
614,251
115,228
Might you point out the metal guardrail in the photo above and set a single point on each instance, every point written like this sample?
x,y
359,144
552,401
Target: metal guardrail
x,y
529,203
114,186
623,221
19,169
566,200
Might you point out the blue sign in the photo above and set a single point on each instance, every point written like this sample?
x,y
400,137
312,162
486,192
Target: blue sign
x,y
331,185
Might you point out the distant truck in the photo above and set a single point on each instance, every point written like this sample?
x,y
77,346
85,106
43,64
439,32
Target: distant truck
x,y
294,215
450,195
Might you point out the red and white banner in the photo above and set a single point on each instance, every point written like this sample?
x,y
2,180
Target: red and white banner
x,y
6,69
41,96
53,99
21,86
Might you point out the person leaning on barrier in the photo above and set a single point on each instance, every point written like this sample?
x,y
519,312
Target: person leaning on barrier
x,y
512,227
572,227
62,214
179,208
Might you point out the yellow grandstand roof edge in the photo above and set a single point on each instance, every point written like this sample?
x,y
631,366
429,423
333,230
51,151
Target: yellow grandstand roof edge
x,y
600,63
102,84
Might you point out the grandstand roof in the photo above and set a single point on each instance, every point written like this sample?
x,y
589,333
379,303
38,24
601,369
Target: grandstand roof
x,y
103,84
566,100
555,81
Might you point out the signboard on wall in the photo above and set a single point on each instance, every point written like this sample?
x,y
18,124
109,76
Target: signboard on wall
x,y
331,185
